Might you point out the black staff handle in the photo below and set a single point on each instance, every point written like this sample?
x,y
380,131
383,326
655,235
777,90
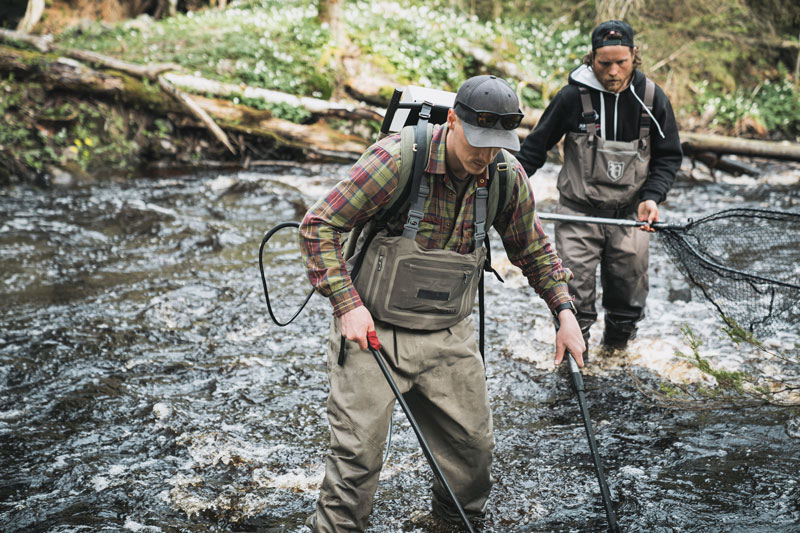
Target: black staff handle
x,y
577,381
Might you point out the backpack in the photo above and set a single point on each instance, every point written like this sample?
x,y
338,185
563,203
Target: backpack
x,y
501,179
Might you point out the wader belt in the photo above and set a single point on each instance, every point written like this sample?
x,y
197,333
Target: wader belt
x,y
621,212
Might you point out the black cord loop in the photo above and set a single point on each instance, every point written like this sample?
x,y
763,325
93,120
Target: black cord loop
x,y
264,241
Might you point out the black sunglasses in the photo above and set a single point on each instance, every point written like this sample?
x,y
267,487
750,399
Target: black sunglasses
x,y
487,119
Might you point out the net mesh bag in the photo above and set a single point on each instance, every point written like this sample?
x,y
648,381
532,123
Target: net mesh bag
x,y
745,263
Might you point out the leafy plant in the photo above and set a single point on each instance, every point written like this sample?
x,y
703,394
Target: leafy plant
x,y
773,105
736,385
280,110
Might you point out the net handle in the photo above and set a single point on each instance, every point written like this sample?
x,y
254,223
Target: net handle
x,y
608,221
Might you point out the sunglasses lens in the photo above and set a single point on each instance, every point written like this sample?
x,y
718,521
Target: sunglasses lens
x,y
486,119
511,122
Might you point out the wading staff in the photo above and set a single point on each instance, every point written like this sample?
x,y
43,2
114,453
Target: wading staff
x,y
375,348
577,382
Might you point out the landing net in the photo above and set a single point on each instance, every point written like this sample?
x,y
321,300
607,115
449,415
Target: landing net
x,y
745,262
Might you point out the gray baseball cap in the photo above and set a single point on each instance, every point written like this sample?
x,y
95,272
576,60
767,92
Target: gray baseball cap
x,y
489,111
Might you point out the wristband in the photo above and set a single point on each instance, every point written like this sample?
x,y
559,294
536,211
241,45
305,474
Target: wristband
x,y
566,305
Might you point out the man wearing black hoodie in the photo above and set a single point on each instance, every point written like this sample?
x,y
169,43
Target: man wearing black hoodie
x,y
621,154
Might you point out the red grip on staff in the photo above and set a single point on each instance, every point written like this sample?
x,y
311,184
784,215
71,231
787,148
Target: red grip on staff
x,y
372,339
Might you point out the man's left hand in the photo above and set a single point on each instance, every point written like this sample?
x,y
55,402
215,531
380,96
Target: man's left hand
x,y
648,212
569,337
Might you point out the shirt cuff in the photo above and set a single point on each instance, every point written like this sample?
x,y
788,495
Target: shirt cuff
x,y
344,301
649,195
557,295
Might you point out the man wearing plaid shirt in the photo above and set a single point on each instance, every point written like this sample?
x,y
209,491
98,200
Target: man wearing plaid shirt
x,y
440,372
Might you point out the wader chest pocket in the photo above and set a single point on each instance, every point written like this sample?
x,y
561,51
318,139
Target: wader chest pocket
x,y
603,173
408,286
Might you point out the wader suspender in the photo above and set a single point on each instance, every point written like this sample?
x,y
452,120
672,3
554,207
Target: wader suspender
x,y
644,121
588,114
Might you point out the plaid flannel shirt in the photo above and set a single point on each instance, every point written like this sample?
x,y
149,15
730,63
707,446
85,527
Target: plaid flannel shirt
x,y
373,180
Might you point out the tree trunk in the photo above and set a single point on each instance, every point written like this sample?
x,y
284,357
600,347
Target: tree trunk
x,y
329,12
32,16
487,9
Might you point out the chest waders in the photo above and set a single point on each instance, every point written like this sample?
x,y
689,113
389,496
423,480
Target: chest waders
x,y
404,284
602,177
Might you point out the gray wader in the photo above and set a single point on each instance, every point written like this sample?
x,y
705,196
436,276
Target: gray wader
x,y
602,178
442,378
421,301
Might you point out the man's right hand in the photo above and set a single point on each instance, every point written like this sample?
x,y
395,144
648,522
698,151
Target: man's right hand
x,y
355,324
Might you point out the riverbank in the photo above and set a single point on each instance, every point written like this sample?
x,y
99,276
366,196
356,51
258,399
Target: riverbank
x,y
55,132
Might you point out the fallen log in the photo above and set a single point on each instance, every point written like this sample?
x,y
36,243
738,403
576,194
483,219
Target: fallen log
x,y
171,83
717,162
315,106
41,43
693,143
65,74
198,112
151,72
317,138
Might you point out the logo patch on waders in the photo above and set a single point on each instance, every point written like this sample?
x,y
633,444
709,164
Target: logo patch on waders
x,y
615,170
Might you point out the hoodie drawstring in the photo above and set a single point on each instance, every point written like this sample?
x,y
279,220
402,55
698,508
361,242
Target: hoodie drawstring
x,y
648,111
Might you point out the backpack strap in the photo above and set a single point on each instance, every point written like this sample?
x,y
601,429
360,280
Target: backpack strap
x,y
501,183
644,120
408,161
588,113
398,199
481,206
419,185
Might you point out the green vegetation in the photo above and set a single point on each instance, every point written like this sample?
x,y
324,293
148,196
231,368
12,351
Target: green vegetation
x,y
279,110
734,387
775,106
707,56
730,62
87,138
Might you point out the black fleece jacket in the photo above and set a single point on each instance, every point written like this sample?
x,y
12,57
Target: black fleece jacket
x,y
621,111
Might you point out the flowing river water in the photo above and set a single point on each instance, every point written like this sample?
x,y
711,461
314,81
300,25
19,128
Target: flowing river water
x,y
145,388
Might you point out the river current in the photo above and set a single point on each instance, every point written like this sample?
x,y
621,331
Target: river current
x,y
144,388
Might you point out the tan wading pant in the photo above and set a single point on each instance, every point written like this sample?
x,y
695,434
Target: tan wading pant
x,y
441,376
623,254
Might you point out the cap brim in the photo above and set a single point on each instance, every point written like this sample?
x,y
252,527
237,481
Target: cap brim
x,y
478,137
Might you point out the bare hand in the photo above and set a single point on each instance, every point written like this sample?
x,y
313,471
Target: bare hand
x,y
355,324
648,212
569,338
